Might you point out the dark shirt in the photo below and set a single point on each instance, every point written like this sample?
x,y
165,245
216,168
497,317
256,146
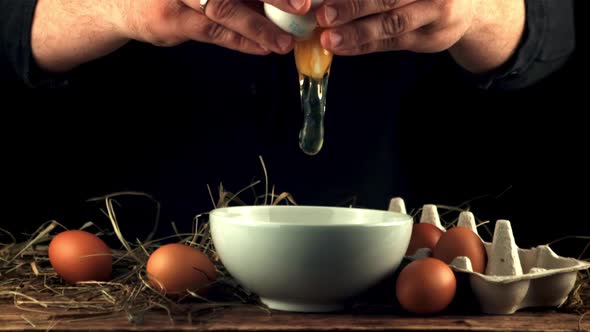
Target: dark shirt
x,y
169,121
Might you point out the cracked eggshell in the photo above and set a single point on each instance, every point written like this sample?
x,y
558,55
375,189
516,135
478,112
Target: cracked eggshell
x,y
514,278
300,26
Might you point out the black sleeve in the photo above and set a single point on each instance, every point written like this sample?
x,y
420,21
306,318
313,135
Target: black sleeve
x,y
16,57
547,44
16,17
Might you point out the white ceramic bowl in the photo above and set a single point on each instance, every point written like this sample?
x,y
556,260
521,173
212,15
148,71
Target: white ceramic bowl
x,y
309,258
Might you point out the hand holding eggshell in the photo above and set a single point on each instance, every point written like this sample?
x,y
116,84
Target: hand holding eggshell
x,y
300,26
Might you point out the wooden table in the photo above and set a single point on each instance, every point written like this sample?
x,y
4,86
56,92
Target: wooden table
x,y
375,317
251,318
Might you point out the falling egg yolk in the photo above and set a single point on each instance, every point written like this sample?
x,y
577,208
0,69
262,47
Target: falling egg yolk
x,y
311,58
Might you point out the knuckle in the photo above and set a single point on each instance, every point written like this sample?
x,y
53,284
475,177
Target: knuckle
x,y
154,28
364,35
386,4
444,8
242,42
357,37
214,31
395,23
155,35
260,28
354,8
352,36
167,42
442,3
159,24
391,44
154,22
224,9
196,29
366,48
161,38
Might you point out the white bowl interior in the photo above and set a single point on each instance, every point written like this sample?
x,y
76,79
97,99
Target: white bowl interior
x,y
308,215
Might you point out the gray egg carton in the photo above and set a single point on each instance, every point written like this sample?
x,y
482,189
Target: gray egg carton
x,y
514,278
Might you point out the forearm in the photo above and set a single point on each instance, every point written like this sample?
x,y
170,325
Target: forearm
x,y
67,33
494,36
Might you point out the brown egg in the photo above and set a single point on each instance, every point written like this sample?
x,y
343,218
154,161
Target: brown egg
x,y
311,58
174,268
423,236
426,286
461,241
80,256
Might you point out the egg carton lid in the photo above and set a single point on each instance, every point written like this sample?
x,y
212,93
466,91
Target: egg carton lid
x,y
514,278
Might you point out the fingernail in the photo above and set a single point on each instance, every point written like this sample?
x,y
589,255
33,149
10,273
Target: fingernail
x,y
284,42
297,4
335,39
331,14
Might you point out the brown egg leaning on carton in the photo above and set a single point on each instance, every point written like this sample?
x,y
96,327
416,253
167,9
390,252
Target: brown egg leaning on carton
x,y
513,278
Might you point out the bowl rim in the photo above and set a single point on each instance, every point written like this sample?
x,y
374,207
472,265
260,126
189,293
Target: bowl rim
x,y
399,220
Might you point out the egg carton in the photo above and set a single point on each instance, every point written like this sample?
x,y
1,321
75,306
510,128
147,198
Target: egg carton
x,y
514,278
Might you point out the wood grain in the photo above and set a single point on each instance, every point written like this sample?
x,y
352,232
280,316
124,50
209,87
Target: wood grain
x,y
250,318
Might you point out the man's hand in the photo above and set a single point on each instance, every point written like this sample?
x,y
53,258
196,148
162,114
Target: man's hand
x,y
234,24
480,34
68,33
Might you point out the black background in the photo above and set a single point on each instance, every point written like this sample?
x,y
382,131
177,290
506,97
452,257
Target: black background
x,y
529,145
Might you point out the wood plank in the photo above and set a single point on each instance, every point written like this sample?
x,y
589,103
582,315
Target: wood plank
x,y
250,318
